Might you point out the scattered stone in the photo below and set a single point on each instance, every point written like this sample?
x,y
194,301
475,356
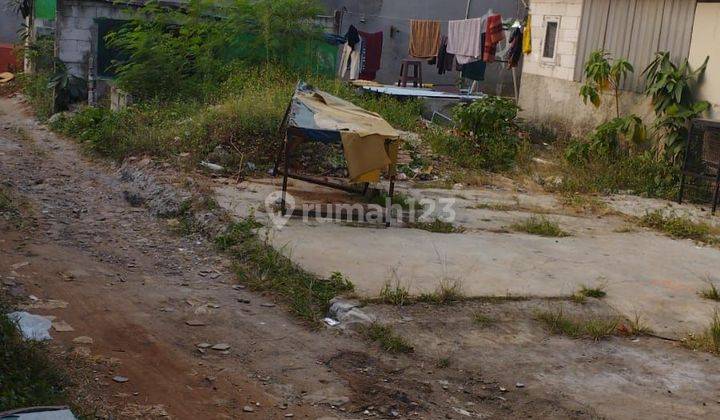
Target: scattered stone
x,y
120,379
268,305
82,351
289,415
503,389
83,339
519,385
195,323
20,265
239,287
221,346
348,313
62,326
243,300
248,409
204,345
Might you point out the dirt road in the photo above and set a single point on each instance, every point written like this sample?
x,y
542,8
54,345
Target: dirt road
x,y
148,296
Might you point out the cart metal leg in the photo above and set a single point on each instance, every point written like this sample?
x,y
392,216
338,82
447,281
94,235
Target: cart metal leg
x,y
285,175
716,196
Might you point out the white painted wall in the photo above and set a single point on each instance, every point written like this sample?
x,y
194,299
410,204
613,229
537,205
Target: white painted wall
x,y
569,13
706,42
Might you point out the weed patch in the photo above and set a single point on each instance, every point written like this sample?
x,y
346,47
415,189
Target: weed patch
x,y
264,268
711,292
482,320
540,226
388,339
596,328
437,226
709,340
394,293
593,292
677,227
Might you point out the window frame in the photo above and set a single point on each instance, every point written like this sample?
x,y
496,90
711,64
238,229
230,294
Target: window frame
x,y
546,20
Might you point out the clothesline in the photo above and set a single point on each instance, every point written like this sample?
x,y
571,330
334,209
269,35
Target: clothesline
x,y
364,15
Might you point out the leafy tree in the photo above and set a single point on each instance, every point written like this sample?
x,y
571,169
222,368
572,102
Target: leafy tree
x,y
601,75
671,89
173,52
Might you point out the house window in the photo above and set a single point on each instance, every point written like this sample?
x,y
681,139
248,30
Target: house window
x,y
552,25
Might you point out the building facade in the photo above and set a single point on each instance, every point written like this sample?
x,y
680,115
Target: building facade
x,y
566,32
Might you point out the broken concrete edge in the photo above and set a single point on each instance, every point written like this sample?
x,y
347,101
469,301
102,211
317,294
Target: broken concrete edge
x,y
150,188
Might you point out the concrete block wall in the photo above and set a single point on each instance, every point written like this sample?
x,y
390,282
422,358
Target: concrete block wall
x,y
569,13
77,31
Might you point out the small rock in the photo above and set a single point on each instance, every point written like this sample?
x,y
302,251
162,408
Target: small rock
x,y
195,323
221,346
243,300
268,305
289,415
248,409
204,345
503,389
83,339
120,379
519,385
62,326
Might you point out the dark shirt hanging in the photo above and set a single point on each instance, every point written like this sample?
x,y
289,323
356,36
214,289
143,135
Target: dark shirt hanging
x,y
352,36
516,47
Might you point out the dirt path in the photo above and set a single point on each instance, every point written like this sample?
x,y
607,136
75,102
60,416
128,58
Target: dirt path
x,y
132,285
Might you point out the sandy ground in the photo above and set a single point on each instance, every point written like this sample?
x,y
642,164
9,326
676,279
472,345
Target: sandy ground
x,y
644,272
120,276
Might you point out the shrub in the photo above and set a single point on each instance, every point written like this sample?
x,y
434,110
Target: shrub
x,y
35,88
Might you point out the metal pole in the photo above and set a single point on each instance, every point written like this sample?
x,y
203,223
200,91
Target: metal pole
x,y
467,9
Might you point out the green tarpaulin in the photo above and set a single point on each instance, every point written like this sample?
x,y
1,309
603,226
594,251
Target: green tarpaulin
x,y
45,9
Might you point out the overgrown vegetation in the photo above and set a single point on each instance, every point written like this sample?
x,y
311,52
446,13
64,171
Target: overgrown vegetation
x,y
541,226
388,339
264,268
449,290
601,74
678,227
27,376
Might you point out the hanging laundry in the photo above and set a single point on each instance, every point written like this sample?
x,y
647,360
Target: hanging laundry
x,y
474,70
515,51
350,58
464,39
352,36
424,38
494,33
527,41
370,54
444,60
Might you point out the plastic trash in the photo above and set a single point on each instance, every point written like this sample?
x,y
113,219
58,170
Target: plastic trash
x,y
32,327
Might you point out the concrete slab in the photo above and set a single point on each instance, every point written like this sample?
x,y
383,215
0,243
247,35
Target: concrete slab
x,y
643,272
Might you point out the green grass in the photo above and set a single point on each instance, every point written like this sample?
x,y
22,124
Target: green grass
x,y
540,226
677,227
593,292
595,328
483,320
584,203
711,292
437,226
264,268
388,339
27,376
394,293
